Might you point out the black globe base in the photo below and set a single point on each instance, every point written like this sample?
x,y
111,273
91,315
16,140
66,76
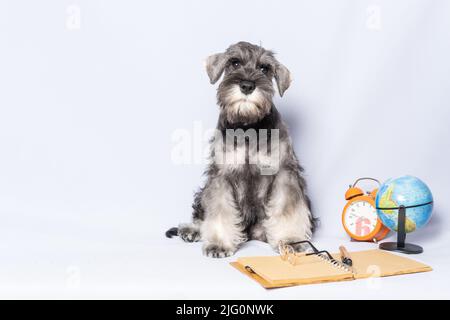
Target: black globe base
x,y
407,248
401,245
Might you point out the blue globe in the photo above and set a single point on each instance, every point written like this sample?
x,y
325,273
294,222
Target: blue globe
x,y
406,191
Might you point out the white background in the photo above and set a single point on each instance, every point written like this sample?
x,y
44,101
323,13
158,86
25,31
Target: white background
x,y
92,92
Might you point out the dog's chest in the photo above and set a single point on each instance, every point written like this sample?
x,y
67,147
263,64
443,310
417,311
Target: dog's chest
x,y
247,159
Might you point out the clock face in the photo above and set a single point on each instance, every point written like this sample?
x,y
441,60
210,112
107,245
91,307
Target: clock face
x,y
360,218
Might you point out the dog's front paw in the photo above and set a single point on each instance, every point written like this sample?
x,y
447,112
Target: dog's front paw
x,y
217,251
189,234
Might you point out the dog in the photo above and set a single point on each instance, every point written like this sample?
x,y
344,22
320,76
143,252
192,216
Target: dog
x,y
257,195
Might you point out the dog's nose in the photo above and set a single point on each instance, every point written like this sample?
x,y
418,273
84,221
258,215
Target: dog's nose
x,y
246,86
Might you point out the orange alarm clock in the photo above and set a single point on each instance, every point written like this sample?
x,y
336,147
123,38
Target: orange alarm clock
x,y
359,217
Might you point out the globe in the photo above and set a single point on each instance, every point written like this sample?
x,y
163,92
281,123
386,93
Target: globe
x,y
410,192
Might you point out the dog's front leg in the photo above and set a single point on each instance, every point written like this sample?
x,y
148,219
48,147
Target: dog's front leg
x,y
288,216
221,230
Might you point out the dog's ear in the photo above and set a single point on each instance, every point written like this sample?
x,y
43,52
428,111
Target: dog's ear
x,y
282,77
215,64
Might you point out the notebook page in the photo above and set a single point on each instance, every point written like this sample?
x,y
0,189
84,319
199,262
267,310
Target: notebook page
x,y
310,269
383,263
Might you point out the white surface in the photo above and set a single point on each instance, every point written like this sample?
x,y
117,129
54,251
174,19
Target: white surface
x,y
139,267
88,112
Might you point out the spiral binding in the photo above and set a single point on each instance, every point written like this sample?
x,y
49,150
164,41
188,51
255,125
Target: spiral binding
x,y
287,252
334,262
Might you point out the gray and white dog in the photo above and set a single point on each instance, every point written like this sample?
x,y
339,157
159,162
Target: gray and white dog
x,y
251,192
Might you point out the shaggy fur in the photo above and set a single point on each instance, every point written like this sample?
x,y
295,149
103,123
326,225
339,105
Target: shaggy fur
x,y
254,187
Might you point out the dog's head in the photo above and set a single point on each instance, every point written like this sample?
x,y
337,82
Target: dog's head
x,y
246,91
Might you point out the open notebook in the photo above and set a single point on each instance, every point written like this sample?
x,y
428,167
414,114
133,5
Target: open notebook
x,y
273,272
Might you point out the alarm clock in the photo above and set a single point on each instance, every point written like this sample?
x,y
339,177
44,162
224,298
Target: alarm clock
x,y
359,217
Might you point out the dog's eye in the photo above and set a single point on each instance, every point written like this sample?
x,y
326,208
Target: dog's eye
x,y
264,68
235,63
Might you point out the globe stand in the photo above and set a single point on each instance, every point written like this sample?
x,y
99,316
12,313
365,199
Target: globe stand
x,y
400,245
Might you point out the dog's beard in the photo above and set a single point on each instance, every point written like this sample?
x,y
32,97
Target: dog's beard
x,y
245,109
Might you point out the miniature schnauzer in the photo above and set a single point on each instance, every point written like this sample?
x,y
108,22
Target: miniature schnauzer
x,y
254,188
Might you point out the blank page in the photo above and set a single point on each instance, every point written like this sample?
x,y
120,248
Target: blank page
x,y
384,263
310,269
